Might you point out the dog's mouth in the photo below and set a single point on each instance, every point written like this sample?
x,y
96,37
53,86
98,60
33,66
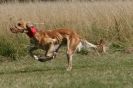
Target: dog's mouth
x,y
16,30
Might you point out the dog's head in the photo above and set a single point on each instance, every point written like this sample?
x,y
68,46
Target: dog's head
x,y
21,26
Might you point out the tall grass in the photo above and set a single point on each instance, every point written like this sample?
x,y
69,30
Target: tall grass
x,y
112,21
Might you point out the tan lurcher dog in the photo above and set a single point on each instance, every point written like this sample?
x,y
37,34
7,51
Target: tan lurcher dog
x,y
52,40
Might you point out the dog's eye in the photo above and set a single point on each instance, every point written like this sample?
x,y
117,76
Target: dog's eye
x,y
19,24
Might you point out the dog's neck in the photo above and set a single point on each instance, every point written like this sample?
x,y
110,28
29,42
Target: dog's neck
x,y
31,33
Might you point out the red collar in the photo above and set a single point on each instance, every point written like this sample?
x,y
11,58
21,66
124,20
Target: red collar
x,y
32,32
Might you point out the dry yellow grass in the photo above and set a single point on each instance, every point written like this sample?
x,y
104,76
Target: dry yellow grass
x,y
93,20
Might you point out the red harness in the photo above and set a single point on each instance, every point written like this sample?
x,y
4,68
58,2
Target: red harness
x,y
32,32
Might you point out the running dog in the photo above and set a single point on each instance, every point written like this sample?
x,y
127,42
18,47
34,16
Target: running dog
x,y
52,40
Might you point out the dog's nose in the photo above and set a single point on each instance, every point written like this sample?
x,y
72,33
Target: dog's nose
x,y
11,28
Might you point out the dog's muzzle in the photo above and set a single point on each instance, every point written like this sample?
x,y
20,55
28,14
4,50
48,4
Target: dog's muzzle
x,y
16,30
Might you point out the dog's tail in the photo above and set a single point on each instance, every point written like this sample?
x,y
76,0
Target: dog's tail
x,y
100,47
87,44
84,44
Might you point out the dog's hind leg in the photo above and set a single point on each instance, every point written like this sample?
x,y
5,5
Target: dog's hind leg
x,y
56,49
50,53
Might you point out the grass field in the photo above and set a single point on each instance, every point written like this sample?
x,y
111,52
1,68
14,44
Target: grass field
x,y
112,21
107,71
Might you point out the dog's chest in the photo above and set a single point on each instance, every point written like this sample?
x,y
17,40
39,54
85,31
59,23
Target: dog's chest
x,y
35,43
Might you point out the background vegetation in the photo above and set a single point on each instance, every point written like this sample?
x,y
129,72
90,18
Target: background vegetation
x,y
6,1
111,21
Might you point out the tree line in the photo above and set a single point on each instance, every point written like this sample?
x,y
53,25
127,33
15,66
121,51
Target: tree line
x,y
6,1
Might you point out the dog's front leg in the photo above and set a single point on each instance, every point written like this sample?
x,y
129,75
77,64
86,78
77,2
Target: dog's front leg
x,y
31,49
41,59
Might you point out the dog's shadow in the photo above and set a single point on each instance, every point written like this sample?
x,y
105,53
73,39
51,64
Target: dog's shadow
x,y
59,69
30,71
44,58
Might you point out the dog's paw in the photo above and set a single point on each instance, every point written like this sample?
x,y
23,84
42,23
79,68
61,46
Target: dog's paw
x,y
69,69
36,57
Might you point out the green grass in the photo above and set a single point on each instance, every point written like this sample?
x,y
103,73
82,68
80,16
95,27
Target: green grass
x,y
9,47
106,71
